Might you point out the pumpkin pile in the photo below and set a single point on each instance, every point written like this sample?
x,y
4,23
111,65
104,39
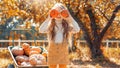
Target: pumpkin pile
x,y
27,55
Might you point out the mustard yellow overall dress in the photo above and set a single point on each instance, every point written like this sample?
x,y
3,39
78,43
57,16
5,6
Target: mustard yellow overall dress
x,y
58,53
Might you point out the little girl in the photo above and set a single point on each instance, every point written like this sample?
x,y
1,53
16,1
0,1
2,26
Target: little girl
x,y
59,27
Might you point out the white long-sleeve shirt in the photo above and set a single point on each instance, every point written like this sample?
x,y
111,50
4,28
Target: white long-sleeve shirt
x,y
58,30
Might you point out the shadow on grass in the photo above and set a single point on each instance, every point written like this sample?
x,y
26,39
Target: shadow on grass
x,y
104,63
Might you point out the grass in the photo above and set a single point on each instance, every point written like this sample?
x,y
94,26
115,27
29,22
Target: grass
x,y
5,58
83,55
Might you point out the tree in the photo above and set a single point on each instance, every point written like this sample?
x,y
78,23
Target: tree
x,y
93,33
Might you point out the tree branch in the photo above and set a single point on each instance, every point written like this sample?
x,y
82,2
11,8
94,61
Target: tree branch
x,y
103,14
93,23
109,22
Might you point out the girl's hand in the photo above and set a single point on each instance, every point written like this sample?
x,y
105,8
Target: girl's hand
x,y
49,17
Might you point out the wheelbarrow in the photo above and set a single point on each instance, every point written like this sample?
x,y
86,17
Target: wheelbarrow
x,y
19,66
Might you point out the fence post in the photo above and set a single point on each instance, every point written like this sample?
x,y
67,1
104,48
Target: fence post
x,y
19,41
107,45
78,42
117,45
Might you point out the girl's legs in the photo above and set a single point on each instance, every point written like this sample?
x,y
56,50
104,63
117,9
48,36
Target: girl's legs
x,y
62,66
53,66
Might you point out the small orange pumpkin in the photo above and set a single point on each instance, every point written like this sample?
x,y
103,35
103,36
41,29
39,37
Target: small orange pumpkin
x,y
27,51
33,61
25,46
38,49
17,51
37,59
33,52
22,58
26,64
19,63
45,54
54,13
64,13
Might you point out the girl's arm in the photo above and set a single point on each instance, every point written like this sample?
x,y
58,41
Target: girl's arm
x,y
44,26
75,27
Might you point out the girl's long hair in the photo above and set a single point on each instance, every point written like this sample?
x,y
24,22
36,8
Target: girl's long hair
x,y
52,29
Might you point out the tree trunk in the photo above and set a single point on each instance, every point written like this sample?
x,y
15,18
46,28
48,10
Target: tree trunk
x,y
95,48
96,51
